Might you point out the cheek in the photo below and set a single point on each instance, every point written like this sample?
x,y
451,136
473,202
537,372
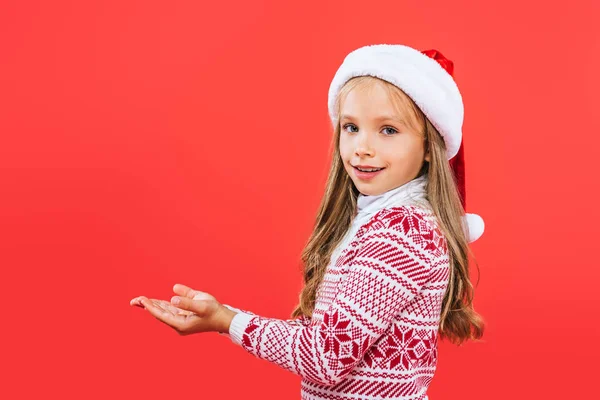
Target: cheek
x,y
345,148
402,152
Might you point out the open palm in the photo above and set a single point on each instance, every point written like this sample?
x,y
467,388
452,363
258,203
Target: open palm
x,y
196,315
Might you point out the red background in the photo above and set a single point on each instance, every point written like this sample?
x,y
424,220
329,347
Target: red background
x,y
145,143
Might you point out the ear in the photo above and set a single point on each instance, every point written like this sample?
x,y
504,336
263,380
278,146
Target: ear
x,y
427,158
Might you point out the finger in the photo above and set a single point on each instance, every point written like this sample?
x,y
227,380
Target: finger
x,y
162,315
190,293
137,301
199,307
185,291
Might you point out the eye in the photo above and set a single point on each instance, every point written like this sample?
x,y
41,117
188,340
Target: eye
x,y
345,126
394,130
389,127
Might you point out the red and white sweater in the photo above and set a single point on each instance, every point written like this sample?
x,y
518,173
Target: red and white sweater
x,y
374,329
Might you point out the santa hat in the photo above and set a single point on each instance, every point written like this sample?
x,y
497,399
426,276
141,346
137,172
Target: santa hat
x,y
427,78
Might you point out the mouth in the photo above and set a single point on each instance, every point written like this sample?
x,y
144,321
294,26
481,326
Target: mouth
x,y
367,169
365,174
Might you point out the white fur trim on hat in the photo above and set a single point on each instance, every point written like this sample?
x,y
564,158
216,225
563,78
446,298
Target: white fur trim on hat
x,y
422,78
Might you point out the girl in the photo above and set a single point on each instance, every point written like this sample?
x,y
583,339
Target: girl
x,y
386,267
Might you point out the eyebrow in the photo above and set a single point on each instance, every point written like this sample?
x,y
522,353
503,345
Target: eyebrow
x,y
380,118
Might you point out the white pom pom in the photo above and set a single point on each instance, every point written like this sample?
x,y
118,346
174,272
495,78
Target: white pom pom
x,y
475,226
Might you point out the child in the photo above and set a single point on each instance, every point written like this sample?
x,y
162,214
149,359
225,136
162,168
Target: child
x,y
386,267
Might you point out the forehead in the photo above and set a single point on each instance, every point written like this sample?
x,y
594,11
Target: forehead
x,y
372,102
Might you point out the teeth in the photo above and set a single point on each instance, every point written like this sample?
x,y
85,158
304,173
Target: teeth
x,y
368,170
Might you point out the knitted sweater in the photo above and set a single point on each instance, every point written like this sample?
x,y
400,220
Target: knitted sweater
x,y
374,329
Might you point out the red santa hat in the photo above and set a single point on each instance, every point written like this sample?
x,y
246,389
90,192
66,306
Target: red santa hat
x,y
427,78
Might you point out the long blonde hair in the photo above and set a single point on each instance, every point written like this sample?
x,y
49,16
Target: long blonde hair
x,y
458,321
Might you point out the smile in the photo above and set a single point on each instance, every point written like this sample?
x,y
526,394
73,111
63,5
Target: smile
x,y
367,174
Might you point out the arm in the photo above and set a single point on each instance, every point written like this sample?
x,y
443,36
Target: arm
x,y
300,321
238,310
387,272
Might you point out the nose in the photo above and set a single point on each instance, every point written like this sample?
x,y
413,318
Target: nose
x,y
363,146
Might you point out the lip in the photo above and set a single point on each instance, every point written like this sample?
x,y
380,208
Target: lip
x,y
366,175
365,166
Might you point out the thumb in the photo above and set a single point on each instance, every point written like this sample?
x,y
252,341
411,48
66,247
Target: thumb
x,y
198,307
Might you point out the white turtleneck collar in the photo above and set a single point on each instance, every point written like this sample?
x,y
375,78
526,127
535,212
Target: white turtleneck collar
x,y
412,192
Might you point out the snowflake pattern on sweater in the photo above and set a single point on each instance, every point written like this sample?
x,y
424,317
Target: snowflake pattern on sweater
x,y
374,329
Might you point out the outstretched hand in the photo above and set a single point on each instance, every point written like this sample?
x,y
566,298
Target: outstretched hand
x,y
190,312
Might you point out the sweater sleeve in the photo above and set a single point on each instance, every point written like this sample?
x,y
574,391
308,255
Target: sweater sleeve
x,y
301,321
387,272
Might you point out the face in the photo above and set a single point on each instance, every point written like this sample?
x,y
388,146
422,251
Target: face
x,y
373,135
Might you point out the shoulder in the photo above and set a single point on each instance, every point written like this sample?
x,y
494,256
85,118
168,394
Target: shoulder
x,y
415,224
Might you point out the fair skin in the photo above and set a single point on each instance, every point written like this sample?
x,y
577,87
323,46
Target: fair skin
x,y
192,311
372,133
